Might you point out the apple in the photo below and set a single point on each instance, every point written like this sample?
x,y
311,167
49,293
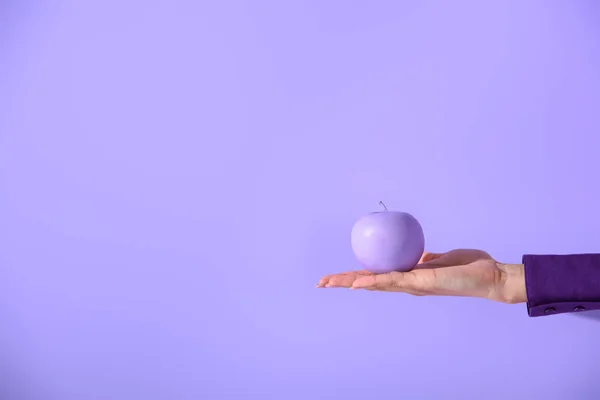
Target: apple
x,y
387,241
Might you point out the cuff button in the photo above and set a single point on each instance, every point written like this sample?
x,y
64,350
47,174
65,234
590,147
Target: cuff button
x,y
550,310
578,309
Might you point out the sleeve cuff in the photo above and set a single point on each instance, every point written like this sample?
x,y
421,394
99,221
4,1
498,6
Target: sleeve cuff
x,y
559,284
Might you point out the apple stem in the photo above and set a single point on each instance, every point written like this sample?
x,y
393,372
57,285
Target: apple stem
x,y
383,205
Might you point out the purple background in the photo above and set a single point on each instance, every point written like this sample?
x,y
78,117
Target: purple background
x,y
175,176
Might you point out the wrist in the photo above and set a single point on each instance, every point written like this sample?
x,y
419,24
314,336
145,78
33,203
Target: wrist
x,y
514,288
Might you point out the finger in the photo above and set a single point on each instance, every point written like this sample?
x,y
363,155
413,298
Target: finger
x,y
346,279
339,281
396,290
324,281
398,280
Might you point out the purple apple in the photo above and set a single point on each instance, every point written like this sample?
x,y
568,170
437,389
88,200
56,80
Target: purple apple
x,y
387,241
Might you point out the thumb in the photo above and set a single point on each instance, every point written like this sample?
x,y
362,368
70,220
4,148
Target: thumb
x,y
428,257
432,260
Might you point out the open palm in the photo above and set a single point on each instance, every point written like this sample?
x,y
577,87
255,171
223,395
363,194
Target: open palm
x,y
472,273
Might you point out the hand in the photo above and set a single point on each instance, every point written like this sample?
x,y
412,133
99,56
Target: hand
x,y
470,273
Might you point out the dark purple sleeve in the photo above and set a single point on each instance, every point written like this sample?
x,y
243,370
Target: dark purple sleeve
x,y
558,284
